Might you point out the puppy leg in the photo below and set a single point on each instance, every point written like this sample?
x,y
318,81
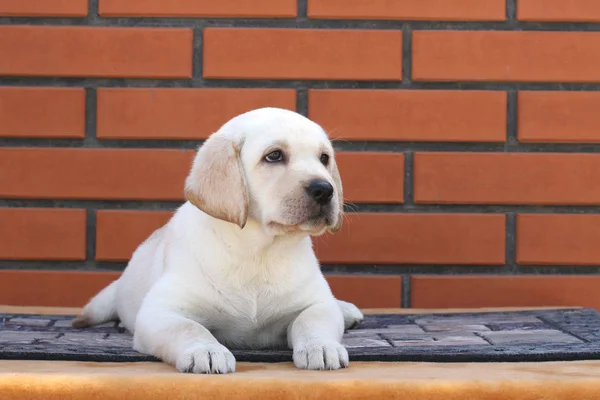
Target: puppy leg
x,y
181,342
352,315
315,337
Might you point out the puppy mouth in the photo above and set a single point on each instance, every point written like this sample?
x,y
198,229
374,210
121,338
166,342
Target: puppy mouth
x,y
313,223
319,217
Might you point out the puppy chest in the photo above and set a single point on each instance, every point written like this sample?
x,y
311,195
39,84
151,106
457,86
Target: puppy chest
x,y
252,323
256,304
244,333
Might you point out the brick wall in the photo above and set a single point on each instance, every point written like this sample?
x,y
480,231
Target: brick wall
x,y
470,137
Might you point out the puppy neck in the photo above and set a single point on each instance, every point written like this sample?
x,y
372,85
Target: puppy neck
x,y
254,237
250,252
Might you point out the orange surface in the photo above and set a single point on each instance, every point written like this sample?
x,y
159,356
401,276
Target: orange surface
x,y
167,113
505,291
506,56
506,178
414,381
32,112
444,10
367,291
558,10
120,232
73,51
71,173
42,234
198,8
51,288
410,115
560,117
416,239
254,53
560,239
44,8
372,177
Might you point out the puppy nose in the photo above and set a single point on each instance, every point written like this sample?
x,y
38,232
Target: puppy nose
x,y
321,191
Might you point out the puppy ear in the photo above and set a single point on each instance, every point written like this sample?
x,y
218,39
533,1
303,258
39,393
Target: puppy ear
x,y
216,183
337,182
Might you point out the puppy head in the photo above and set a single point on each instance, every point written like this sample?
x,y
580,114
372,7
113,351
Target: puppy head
x,y
274,166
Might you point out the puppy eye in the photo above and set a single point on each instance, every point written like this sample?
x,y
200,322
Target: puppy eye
x,y
324,159
274,156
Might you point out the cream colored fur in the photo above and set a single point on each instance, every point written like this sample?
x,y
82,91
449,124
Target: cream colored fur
x,y
235,266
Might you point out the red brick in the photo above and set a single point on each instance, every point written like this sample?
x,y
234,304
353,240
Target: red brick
x,y
71,173
507,178
179,113
370,177
44,8
560,239
159,174
367,291
52,288
253,53
416,239
75,288
73,51
506,56
441,10
558,10
559,117
411,115
42,234
198,8
42,112
505,291
364,238
119,233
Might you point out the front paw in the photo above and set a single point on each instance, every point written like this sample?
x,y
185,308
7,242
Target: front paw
x,y
352,314
321,355
206,359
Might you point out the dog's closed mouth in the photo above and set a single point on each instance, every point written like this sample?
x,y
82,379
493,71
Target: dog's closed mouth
x,y
316,217
313,222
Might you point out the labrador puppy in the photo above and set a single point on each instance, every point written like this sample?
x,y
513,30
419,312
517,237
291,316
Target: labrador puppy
x,y
235,265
